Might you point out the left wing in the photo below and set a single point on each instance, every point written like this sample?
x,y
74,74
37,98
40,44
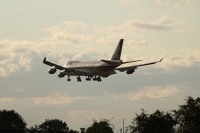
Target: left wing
x,y
53,64
77,72
122,69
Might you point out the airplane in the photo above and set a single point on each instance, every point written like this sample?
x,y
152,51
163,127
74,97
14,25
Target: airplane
x,y
95,69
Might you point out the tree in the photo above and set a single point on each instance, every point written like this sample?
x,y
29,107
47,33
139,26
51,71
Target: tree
x,y
53,126
11,121
158,122
73,131
103,126
34,129
188,116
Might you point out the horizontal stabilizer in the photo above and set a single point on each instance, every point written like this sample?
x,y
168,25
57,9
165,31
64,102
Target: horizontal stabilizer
x,y
131,61
112,62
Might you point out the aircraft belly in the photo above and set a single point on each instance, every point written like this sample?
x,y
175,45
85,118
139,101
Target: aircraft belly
x,y
101,70
93,70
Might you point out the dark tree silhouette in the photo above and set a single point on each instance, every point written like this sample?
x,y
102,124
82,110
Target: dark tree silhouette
x,y
11,121
188,116
103,126
53,126
158,122
73,131
34,129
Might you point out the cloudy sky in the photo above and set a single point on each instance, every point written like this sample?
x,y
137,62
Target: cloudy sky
x,y
90,30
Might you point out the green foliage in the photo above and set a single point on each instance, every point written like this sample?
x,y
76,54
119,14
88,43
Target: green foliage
x,y
103,126
158,122
188,116
11,121
53,126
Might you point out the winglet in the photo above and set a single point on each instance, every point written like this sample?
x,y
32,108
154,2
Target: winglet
x,y
44,60
161,60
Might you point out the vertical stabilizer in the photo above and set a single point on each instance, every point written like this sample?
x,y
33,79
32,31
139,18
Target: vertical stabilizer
x,y
117,53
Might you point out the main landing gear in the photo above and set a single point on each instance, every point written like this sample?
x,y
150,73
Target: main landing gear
x,y
88,79
97,78
79,79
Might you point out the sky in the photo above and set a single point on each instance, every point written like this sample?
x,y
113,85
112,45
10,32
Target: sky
x,y
90,30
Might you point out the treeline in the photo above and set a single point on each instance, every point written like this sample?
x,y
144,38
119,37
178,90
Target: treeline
x,y
184,120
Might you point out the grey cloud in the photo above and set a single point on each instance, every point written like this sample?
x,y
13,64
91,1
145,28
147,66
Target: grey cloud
x,y
137,44
20,50
163,24
75,24
150,26
82,57
163,2
2,57
13,67
65,38
3,72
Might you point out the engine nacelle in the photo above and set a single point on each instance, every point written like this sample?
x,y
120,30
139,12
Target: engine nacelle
x,y
61,74
52,70
130,71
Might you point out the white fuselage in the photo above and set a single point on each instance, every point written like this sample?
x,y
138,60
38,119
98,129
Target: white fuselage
x,y
90,67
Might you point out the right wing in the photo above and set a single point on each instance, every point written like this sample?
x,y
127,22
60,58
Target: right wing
x,y
122,69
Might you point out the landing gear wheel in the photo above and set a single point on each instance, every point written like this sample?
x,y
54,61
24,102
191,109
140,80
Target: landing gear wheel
x,y
95,78
68,78
79,79
88,79
99,78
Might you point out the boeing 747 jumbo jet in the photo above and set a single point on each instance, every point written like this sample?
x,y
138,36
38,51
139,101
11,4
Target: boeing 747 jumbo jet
x,y
95,69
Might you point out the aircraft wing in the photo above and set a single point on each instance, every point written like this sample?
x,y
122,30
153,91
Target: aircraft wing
x,y
53,64
122,69
77,72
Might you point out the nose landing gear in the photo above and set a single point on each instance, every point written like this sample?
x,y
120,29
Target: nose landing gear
x,y
68,78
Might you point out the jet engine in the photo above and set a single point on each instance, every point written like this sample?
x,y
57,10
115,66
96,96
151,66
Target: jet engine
x,y
61,74
130,71
52,70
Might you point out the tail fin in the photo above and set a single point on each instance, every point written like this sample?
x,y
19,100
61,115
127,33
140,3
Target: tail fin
x,y
117,53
